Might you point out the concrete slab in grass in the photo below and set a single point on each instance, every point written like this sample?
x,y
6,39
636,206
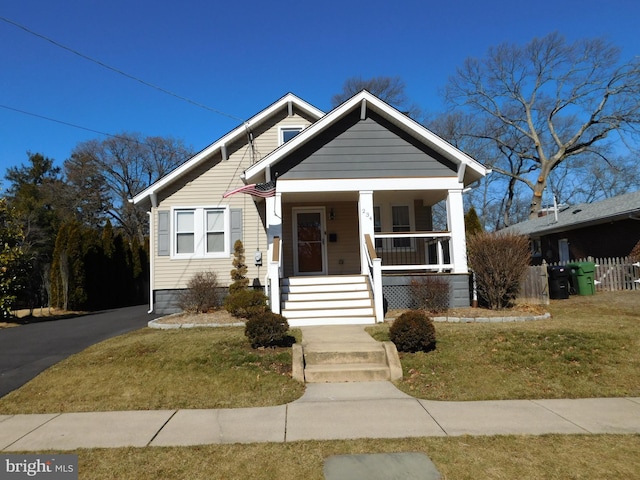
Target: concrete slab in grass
x,y
381,466
14,427
598,415
70,431
503,417
238,425
337,420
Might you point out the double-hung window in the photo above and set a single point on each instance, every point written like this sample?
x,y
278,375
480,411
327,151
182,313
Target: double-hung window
x,y
201,232
215,231
401,223
185,232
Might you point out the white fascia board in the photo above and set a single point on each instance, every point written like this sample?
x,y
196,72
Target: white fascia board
x,y
230,137
380,107
367,184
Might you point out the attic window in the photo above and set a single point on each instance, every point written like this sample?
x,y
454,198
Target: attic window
x,y
287,133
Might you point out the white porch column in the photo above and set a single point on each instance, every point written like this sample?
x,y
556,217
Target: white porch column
x,y
365,213
455,221
274,262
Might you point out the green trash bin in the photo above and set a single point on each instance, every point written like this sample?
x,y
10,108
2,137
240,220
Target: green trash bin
x,y
582,274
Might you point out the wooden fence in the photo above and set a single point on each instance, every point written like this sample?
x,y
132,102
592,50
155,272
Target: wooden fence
x,y
611,274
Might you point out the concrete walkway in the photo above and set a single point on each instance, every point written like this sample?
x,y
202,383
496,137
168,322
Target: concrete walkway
x,y
325,412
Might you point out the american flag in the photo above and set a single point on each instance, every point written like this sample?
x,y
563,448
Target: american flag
x,y
263,190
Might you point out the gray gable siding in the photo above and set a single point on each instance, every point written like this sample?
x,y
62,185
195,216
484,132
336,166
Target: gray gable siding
x,y
369,148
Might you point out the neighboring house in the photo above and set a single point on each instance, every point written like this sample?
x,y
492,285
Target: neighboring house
x,y
347,213
608,228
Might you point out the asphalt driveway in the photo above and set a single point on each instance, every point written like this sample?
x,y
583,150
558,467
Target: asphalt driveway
x,y
27,350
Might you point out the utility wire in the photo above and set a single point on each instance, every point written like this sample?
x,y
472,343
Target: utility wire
x,y
62,122
116,70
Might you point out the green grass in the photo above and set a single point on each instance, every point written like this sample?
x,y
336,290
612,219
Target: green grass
x,y
155,369
550,457
589,348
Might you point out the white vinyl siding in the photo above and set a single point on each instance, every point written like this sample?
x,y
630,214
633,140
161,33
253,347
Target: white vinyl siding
x,y
204,187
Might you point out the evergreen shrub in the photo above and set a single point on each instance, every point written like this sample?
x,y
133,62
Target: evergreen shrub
x,y
413,331
266,329
245,302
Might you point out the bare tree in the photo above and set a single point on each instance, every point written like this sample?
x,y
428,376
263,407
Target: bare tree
x,y
547,102
389,89
127,164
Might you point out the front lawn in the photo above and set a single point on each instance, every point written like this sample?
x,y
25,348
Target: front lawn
x,y
589,348
157,369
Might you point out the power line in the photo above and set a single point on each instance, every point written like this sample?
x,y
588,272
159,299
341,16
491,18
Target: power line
x,y
116,70
62,122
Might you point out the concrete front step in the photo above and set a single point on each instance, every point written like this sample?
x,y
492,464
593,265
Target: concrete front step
x,y
357,372
345,353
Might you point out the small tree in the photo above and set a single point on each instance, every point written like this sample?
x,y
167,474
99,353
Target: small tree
x,y
13,265
238,274
499,262
472,223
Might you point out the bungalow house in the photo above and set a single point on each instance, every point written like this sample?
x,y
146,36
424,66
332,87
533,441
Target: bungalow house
x,y
334,211
604,229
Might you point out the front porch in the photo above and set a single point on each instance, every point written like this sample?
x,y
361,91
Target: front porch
x,y
374,236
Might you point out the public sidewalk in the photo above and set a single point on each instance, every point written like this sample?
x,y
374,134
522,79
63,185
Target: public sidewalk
x,y
325,412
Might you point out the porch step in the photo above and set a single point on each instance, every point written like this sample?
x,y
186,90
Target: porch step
x,y
327,300
357,372
346,354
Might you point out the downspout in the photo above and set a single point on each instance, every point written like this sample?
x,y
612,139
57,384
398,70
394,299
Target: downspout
x,y
154,204
149,213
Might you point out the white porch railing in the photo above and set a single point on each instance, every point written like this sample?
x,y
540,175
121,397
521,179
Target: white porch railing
x,y
375,277
426,251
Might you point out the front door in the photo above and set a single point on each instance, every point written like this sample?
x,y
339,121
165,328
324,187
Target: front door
x,y
309,254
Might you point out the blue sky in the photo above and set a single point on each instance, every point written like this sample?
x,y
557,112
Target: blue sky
x,y
238,58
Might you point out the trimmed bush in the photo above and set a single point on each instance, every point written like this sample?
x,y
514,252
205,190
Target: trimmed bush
x,y
239,272
430,293
413,331
246,302
202,294
266,329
